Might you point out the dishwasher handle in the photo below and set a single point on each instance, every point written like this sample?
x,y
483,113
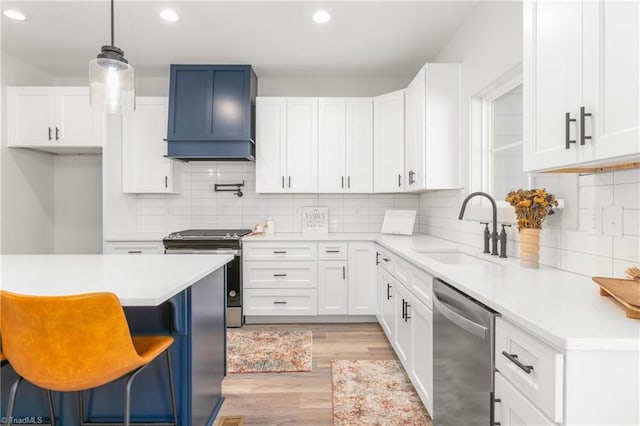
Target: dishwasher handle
x,y
461,321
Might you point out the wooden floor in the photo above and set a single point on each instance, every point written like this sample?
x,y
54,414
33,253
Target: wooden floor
x,y
302,398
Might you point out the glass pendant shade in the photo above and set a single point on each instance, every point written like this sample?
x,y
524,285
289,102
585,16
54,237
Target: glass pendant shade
x,y
112,84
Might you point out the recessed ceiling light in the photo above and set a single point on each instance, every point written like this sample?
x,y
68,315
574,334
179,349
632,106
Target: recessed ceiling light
x,y
169,15
321,17
14,14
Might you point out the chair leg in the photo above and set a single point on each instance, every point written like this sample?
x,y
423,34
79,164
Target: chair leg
x,y
81,408
127,396
172,388
12,400
52,413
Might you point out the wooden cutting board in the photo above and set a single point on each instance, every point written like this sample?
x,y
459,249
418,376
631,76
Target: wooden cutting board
x,y
627,292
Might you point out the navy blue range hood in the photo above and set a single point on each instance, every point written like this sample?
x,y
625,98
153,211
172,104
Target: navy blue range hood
x,y
212,113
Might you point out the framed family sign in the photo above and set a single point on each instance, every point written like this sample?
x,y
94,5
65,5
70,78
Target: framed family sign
x,y
315,219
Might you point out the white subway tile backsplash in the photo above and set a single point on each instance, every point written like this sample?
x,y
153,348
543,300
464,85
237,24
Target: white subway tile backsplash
x,y
566,241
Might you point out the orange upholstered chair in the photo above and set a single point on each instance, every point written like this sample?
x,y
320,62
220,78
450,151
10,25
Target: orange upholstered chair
x,y
75,343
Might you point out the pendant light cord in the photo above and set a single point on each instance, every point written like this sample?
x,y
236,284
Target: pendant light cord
x,y
112,37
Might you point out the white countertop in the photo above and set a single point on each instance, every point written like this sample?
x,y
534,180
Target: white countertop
x,y
146,280
563,308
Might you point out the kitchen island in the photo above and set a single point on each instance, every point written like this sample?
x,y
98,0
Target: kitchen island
x,y
181,296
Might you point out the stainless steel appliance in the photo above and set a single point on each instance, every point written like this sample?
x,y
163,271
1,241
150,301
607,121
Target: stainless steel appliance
x,y
463,358
215,241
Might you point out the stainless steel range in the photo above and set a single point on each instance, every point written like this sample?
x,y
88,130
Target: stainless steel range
x,y
215,241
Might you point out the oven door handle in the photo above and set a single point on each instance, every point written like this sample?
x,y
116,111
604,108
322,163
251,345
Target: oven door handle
x,y
460,320
206,251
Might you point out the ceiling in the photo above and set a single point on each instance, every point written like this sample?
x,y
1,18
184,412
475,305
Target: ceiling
x,y
363,39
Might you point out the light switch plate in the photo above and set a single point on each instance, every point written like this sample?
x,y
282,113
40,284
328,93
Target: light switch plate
x,y
612,221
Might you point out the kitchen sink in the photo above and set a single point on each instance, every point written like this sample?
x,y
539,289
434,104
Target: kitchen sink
x,y
454,257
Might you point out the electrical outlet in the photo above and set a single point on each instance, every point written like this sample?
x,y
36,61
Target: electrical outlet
x,y
612,221
595,223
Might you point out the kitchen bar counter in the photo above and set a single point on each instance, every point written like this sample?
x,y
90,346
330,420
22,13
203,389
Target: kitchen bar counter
x,y
181,296
563,308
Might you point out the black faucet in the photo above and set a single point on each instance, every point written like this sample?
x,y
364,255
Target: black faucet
x,y
494,234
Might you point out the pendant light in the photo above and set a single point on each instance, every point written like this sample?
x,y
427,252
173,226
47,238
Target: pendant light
x,y
111,79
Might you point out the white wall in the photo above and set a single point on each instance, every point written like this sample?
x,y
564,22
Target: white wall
x,y
26,198
489,44
77,204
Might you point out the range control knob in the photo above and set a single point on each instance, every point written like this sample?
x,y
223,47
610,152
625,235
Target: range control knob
x,y
227,236
235,236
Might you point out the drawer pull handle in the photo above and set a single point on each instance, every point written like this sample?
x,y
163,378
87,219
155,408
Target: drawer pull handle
x,y
406,311
279,275
385,259
279,303
279,252
134,251
332,251
514,358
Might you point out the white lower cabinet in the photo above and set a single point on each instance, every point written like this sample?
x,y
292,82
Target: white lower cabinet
x,y
407,320
341,274
362,278
278,301
402,336
386,300
332,287
421,371
513,409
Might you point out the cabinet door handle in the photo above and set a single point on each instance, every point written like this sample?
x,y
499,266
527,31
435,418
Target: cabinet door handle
x,y
389,287
57,133
279,275
279,252
342,184
403,309
332,251
567,131
377,258
583,115
134,251
349,182
279,303
399,180
514,359
166,182
344,273
50,133
289,181
406,311
283,182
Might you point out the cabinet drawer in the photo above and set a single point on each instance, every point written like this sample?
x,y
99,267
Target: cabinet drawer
x,y
403,270
332,250
386,260
280,302
513,409
280,251
280,275
134,247
543,384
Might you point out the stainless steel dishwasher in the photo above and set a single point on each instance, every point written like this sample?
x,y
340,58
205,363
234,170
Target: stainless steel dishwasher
x,y
463,361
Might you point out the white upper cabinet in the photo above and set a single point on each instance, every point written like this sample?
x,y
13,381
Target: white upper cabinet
x,y
581,83
331,144
286,145
345,145
54,119
388,142
144,167
271,144
611,86
302,145
432,128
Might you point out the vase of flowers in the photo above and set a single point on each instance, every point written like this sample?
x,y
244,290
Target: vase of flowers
x,y
532,208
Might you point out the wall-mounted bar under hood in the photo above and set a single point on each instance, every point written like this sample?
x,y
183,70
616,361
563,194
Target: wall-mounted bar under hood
x,y
212,112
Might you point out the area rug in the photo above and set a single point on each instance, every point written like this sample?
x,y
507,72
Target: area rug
x,y
268,351
375,393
